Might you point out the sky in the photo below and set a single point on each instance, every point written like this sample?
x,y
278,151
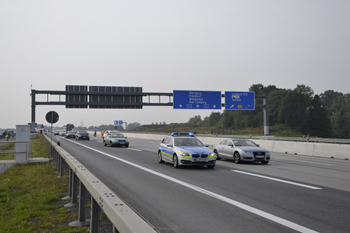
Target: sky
x,y
165,45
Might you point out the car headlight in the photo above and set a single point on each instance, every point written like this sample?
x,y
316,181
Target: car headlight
x,y
183,154
267,154
246,152
212,155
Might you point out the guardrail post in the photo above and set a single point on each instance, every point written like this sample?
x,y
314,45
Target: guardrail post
x,y
59,162
95,216
60,169
74,198
56,157
70,185
82,221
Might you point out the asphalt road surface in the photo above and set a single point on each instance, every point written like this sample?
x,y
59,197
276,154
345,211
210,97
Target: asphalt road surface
x,y
292,193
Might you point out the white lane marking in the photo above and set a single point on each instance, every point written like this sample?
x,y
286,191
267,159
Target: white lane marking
x,y
304,161
134,149
250,209
279,180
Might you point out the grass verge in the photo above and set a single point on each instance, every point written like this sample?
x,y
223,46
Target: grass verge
x,y
7,156
30,197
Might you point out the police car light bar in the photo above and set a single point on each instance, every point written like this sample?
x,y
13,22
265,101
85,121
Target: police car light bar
x,y
178,134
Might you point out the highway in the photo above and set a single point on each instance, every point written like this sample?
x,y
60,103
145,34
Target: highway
x,y
293,193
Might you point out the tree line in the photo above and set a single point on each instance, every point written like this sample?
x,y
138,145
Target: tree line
x,y
324,115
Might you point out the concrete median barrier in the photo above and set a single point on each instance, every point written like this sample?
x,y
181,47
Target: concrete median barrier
x,y
337,151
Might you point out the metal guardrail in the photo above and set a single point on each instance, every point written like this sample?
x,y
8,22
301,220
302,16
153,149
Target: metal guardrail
x,y
124,218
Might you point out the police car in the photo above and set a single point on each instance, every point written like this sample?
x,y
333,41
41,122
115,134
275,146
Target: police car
x,y
184,149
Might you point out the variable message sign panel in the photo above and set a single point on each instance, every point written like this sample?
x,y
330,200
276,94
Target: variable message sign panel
x,y
239,100
106,99
197,99
77,98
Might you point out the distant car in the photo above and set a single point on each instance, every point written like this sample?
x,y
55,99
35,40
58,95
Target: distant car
x,y
116,139
109,132
241,150
71,134
82,134
185,150
62,133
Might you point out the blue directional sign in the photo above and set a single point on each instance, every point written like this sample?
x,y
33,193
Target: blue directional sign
x,y
239,100
197,99
118,122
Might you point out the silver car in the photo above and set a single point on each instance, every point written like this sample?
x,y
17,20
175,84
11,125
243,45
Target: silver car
x,y
109,132
116,139
241,150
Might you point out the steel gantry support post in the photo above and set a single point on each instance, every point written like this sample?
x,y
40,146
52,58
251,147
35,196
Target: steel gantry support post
x,y
266,117
265,108
32,127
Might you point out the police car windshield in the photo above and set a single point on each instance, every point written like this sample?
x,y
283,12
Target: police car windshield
x,y
188,142
117,136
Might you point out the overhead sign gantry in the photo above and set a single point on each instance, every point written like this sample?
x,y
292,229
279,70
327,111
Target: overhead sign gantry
x,y
115,97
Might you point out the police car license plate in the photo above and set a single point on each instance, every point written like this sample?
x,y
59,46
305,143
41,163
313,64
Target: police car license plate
x,y
200,160
259,156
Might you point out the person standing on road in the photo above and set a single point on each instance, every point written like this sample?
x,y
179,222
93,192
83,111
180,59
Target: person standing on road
x,y
102,133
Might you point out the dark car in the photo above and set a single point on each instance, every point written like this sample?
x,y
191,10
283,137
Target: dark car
x,y
82,135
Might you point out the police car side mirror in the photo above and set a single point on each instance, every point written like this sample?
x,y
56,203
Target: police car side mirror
x,y
169,145
231,145
257,145
206,145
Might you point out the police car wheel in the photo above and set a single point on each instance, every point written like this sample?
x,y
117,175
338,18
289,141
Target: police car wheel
x,y
160,159
217,155
175,161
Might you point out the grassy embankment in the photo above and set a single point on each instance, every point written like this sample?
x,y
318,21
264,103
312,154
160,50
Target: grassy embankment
x,y
30,197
